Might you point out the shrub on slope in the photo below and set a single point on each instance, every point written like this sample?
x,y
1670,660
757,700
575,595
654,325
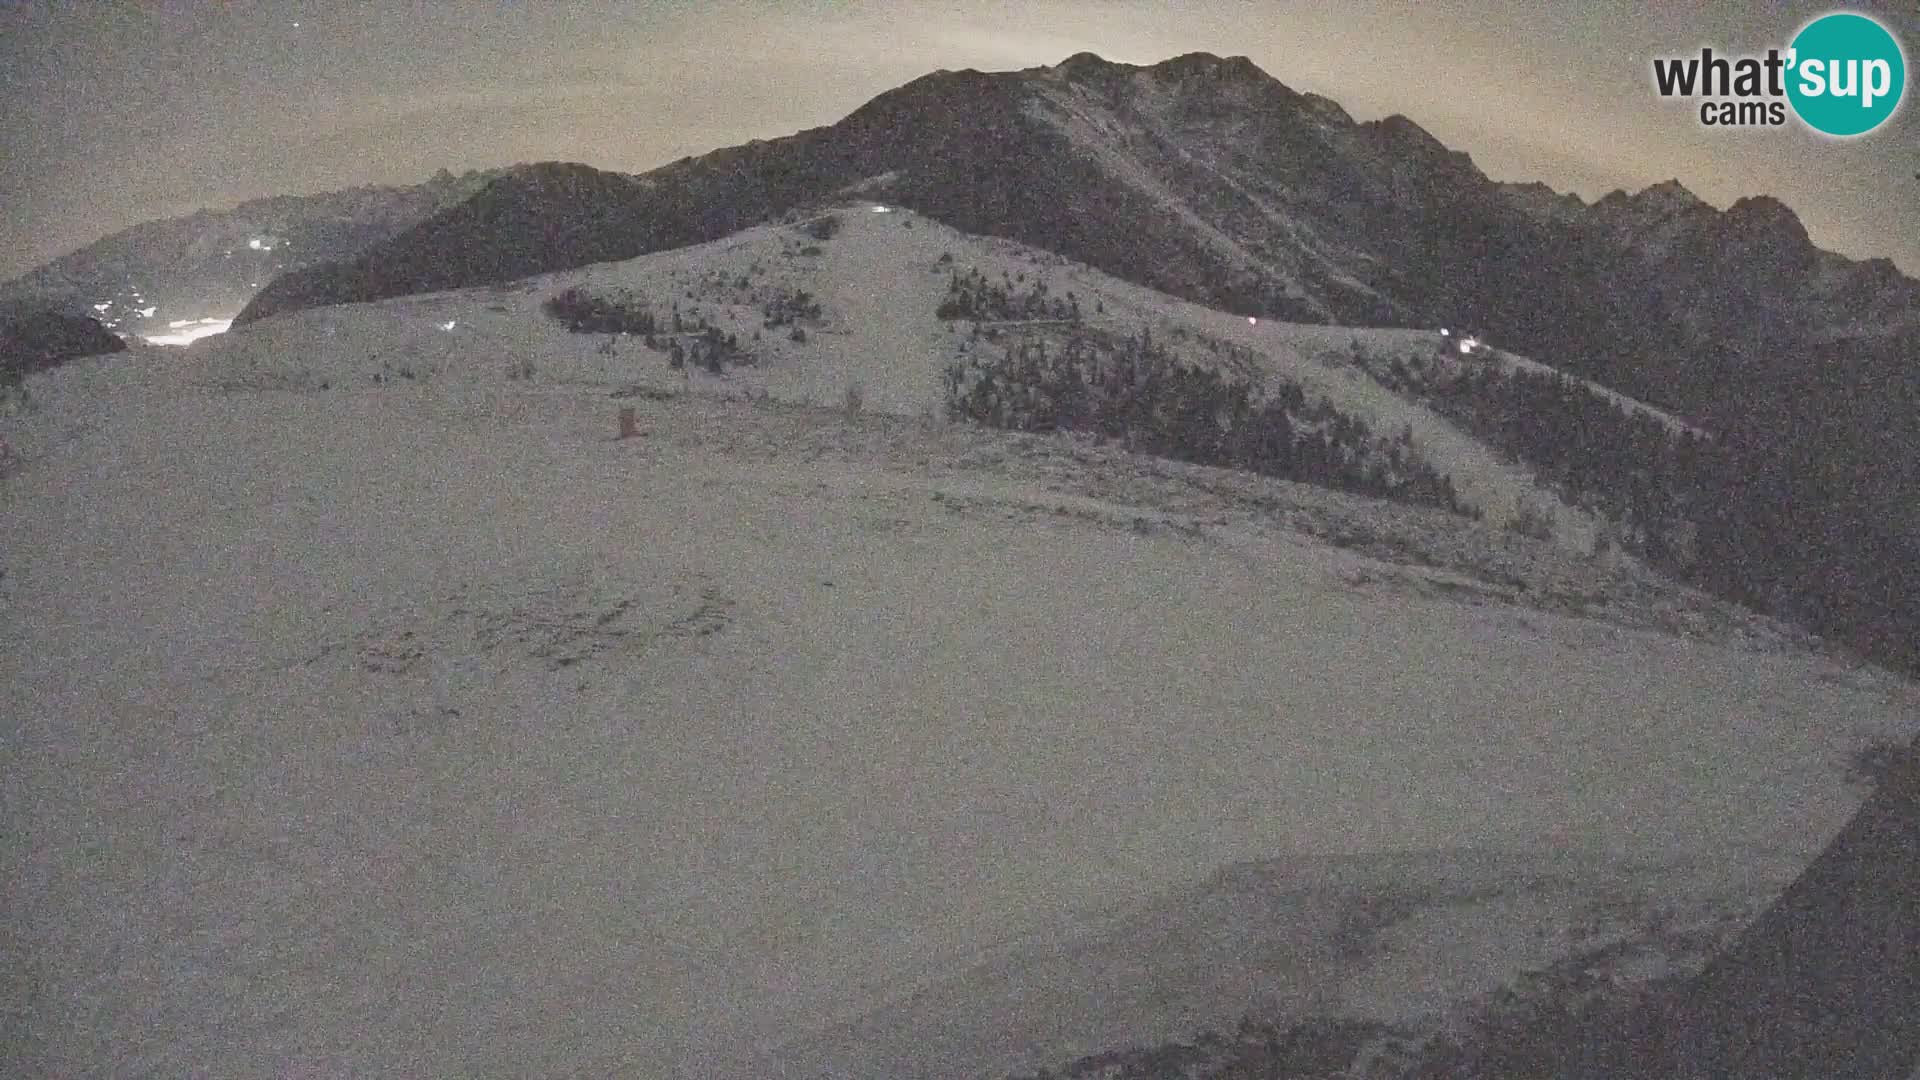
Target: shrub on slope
x,y
685,339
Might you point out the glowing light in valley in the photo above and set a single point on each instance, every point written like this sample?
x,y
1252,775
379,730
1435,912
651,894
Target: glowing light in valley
x,y
190,331
254,243
449,324
102,307
883,209
147,312
1251,321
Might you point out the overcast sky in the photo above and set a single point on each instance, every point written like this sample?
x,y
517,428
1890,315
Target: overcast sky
x,y
120,113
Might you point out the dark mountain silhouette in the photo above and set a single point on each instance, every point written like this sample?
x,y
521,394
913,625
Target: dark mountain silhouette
x,y
208,265
1208,179
959,141
35,339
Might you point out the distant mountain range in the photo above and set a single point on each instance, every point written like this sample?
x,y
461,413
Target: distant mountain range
x,y
209,264
1208,179
1201,176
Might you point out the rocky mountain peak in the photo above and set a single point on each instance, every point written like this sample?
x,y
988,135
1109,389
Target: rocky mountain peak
x,y
1763,224
1410,136
1667,202
1086,63
1208,66
1765,212
1669,196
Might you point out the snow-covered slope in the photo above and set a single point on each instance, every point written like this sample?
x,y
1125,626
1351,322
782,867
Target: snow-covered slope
x,y
1411,941
420,726
878,280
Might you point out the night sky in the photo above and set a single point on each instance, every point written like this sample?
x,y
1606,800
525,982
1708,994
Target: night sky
x,y
121,113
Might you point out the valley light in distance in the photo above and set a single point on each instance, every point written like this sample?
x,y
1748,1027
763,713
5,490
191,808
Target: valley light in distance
x,y
188,331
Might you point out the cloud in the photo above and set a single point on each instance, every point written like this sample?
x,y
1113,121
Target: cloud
x,y
372,111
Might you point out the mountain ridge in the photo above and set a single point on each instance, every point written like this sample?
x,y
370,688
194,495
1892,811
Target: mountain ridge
x,y
1213,182
1229,188
211,262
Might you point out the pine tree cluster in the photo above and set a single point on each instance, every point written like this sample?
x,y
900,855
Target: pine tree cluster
x,y
685,337
790,306
1598,454
585,313
1136,390
1750,516
1618,462
699,342
972,296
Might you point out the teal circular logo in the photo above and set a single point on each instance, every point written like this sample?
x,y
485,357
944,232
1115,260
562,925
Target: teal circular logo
x,y
1846,74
